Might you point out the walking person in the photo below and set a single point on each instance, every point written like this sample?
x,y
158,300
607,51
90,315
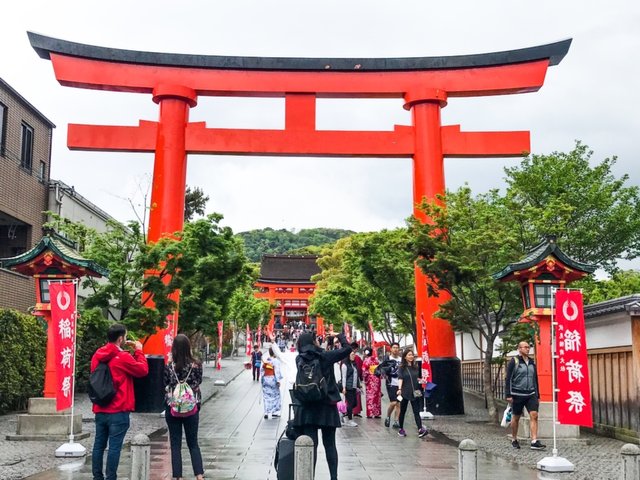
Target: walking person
x,y
410,391
256,362
372,384
112,420
323,415
350,386
521,385
389,368
271,376
184,369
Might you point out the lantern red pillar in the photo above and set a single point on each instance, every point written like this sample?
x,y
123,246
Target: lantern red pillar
x,y
166,216
428,182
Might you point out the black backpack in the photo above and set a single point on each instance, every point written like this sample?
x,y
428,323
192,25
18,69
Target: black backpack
x,y
310,385
101,390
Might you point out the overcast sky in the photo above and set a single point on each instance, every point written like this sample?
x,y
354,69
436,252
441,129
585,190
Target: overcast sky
x,y
592,95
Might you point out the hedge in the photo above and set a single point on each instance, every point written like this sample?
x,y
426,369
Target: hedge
x,y
23,342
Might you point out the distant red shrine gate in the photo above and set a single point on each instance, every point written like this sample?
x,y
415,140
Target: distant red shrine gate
x,y
175,82
285,280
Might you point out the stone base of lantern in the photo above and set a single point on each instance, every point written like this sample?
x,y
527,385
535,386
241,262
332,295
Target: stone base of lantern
x,y
43,422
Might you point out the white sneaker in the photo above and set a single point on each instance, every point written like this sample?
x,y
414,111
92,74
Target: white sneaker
x,y
350,423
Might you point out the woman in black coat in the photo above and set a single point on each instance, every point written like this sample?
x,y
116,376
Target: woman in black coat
x,y
323,415
410,391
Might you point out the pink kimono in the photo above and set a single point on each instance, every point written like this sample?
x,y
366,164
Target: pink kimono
x,y
372,384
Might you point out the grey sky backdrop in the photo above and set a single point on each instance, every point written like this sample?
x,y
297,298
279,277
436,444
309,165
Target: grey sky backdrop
x,y
592,95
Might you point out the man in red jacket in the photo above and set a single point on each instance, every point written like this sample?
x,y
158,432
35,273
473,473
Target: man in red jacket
x,y
112,421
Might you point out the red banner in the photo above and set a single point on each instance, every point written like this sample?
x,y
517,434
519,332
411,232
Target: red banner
x,y
373,341
259,334
574,392
218,366
63,316
426,360
347,332
248,341
320,327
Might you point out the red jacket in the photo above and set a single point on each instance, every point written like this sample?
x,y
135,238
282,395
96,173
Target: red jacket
x,y
123,368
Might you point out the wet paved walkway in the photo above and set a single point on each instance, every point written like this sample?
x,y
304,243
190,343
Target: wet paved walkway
x,y
238,443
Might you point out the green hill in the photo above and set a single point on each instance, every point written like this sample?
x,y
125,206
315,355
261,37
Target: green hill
x,y
306,241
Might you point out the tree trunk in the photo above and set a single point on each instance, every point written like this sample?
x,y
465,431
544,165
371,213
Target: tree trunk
x,y
488,383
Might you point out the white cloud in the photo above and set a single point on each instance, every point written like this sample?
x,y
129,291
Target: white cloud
x,y
591,95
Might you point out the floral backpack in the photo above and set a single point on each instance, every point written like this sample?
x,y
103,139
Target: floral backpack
x,y
182,400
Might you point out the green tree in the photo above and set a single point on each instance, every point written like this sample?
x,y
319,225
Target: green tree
x,y
130,260
212,265
595,216
620,284
458,251
195,202
368,277
245,309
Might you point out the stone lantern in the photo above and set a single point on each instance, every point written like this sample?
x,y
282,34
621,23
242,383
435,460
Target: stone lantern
x,y
544,268
52,259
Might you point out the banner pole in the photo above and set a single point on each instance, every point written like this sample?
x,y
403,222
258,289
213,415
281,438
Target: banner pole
x,y
553,368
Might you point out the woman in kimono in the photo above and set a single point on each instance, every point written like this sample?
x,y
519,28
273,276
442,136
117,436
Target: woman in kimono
x,y
270,377
372,384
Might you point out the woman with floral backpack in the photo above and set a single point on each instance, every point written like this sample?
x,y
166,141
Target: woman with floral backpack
x,y
182,379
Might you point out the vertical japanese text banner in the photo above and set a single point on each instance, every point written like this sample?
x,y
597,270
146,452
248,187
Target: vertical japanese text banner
x,y
248,341
426,360
574,392
373,340
63,316
218,366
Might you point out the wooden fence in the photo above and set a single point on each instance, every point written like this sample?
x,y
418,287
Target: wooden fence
x,y
614,398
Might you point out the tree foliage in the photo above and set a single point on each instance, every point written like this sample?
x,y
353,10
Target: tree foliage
x,y
270,241
620,284
368,277
595,216
212,266
195,202
458,250
123,251
24,339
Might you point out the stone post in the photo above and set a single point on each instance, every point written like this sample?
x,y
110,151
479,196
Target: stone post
x,y
303,458
467,460
630,462
140,457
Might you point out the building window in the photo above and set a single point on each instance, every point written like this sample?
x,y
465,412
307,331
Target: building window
x,y
26,152
42,173
3,128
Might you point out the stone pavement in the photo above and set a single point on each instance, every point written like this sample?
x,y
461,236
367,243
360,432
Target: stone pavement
x,y
21,459
237,442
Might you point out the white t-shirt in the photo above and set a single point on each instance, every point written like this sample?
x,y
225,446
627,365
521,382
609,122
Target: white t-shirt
x,y
394,380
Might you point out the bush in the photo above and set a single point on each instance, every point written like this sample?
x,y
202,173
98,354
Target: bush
x,y
92,334
23,342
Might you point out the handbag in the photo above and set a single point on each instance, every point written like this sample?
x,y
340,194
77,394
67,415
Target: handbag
x,y
417,392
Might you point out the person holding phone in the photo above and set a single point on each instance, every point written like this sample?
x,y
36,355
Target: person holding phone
x,y
410,391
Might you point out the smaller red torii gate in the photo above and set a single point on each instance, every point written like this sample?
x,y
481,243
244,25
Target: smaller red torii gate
x,y
175,82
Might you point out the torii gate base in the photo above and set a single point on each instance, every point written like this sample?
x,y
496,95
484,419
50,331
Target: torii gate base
x,y
176,81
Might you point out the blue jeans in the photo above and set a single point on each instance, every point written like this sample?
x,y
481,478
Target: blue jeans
x,y
110,427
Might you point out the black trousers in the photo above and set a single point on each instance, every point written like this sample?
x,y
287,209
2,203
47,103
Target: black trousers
x,y
351,399
416,404
329,442
190,425
256,372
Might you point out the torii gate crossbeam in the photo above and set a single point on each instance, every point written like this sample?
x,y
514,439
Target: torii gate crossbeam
x,y
175,82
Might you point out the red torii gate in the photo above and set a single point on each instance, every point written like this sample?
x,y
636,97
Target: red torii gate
x,y
175,82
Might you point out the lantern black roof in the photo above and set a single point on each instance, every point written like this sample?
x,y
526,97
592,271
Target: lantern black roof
x,y
58,246
537,254
288,268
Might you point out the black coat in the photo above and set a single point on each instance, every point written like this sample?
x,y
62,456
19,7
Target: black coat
x,y
322,414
